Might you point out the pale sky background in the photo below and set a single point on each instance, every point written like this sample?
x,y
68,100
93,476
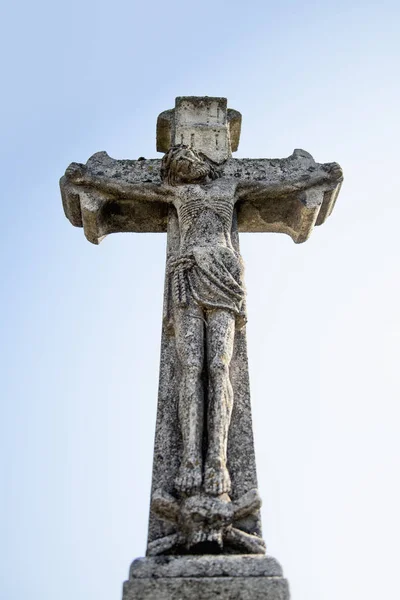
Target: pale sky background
x,y
82,324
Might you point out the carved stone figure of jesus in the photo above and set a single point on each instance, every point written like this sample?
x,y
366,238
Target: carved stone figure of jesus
x,y
207,294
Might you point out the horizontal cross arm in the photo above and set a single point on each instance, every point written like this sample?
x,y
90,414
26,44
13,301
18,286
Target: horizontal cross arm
x,y
288,195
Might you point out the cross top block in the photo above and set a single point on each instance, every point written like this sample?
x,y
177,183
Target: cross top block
x,y
202,123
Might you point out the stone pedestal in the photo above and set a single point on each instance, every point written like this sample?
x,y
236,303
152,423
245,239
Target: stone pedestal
x,y
206,577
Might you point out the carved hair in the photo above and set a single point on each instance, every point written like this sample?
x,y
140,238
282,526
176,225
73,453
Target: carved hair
x,y
169,165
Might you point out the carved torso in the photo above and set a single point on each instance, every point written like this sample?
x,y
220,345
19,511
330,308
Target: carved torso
x,y
207,269
205,214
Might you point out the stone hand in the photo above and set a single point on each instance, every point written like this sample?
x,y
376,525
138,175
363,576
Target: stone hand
x,y
334,171
77,173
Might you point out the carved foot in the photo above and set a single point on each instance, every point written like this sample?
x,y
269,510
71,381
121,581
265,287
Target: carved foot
x,y
216,478
189,477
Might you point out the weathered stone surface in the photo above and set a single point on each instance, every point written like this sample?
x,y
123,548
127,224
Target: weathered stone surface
x,y
206,566
101,213
204,497
203,123
168,439
207,588
206,577
201,517
196,498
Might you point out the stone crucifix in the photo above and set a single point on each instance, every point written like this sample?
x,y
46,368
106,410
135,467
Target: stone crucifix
x,y
204,480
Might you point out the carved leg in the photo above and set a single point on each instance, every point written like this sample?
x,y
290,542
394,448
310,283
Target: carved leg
x,y
189,331
220,337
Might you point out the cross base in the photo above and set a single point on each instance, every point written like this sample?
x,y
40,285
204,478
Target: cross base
x,y
205,577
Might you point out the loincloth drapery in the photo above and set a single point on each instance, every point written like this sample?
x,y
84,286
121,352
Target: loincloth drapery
x,y
211,278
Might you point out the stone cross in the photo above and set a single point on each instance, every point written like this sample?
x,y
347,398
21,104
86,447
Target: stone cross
x,y
204,499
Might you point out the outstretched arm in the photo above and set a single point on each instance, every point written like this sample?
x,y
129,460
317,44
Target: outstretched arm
x,y
80,175
329,173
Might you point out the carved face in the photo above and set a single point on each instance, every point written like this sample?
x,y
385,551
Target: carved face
x,y
183,165
203,519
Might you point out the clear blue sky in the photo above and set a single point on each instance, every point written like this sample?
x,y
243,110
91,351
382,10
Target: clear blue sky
x,y
81,324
